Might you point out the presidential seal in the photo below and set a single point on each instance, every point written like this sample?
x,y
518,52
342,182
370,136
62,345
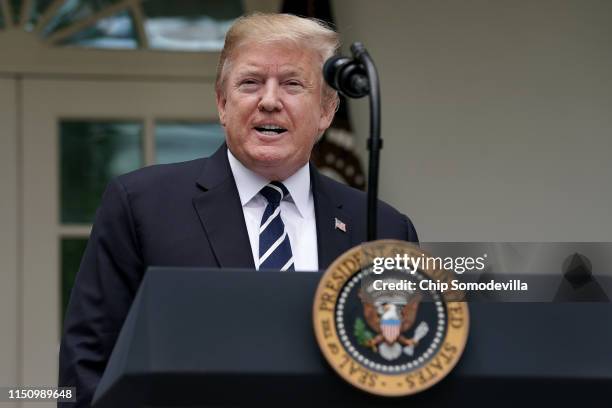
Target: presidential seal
x,y
389,331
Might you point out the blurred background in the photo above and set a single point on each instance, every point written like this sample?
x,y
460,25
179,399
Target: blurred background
x,y
497,121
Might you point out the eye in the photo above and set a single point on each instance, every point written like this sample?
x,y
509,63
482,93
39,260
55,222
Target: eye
x,y
293,85
248,84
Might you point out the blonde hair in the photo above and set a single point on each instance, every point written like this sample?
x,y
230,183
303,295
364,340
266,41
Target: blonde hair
x,y
308,33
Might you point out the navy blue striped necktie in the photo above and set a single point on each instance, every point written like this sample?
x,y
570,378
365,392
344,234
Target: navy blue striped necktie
x,y
274,246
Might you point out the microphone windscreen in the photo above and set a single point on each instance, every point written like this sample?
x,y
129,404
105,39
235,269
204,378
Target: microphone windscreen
x,y
330,70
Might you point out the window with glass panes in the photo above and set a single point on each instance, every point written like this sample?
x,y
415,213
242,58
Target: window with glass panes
x,y
93,152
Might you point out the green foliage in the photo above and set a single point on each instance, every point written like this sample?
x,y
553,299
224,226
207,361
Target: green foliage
x,y
361,332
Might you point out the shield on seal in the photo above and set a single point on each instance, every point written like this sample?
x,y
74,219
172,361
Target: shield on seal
x,y
390,323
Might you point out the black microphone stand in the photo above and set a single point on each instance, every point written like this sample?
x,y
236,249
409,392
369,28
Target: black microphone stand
x,y
375,142
356,78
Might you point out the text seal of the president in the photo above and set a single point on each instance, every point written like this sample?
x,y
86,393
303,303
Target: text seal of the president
x,y
388,342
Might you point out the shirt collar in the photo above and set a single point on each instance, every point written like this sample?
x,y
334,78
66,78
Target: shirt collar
x,y
250,183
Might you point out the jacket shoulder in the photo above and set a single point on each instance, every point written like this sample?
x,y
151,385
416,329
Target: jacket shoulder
x,y
391,222
353,197
162,176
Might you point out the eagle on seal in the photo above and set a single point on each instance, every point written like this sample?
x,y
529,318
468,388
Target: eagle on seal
x,y
389,321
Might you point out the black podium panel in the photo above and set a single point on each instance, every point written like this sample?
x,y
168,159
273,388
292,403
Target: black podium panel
x,y
209,337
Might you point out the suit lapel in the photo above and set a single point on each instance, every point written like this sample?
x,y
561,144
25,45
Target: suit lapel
x,y
218,206
332,241
219,209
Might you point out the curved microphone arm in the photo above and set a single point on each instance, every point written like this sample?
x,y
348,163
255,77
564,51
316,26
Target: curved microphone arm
x,y
375,141
355,78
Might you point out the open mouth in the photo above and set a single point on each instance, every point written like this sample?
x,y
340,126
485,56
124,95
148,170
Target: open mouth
x,y
270,130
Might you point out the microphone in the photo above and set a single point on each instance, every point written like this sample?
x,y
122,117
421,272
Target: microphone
x,y
347,76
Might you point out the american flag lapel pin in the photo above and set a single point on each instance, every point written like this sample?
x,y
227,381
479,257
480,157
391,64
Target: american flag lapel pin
x,y
339,225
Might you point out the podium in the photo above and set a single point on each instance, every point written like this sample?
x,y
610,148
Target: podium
x,y
210,337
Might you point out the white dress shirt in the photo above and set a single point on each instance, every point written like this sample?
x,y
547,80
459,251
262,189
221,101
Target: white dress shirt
x,y
297,212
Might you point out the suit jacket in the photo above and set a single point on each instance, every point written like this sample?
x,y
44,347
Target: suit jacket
x,y
184,214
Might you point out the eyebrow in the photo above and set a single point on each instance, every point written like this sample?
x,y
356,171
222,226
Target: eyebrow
x,y
248,71
256,70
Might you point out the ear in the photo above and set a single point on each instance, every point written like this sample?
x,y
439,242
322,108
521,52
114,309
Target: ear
x,y
327,115
221,101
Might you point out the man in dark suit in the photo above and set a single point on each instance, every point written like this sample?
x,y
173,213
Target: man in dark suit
x,y
256,203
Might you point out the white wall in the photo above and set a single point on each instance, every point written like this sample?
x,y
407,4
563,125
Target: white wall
x,y
9,216
497,115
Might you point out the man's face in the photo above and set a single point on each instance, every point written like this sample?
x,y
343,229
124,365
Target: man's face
x,y
272,108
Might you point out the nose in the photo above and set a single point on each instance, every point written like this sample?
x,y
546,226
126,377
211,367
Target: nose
x,y
270,99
